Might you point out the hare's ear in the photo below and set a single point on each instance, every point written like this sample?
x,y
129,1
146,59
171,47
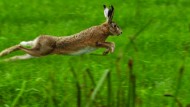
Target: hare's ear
x,y
106,10
110,14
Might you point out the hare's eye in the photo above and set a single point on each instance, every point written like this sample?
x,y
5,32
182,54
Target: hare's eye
x,y
114,25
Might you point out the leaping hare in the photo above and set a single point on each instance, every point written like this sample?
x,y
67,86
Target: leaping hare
x,y
79,43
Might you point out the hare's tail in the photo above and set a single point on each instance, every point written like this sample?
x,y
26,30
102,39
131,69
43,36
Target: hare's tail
x,y
9,50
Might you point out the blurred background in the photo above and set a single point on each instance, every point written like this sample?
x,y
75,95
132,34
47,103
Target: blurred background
x,y
155,42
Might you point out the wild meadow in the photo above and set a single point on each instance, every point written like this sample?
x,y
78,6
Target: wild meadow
x,y
149,68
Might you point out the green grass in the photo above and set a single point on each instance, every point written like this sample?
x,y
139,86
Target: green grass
x,y
161,49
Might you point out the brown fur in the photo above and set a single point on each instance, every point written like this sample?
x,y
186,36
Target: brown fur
x,y
89,39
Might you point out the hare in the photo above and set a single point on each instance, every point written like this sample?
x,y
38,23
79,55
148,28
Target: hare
x,y
80,43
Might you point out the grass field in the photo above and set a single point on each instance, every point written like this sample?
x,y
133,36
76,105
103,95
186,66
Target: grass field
x,y
160,55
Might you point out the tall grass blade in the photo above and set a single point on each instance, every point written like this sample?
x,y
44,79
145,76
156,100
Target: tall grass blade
x,y
119,86
78,87
97,88
109,90
85,88
91,77
179,80
132,86
141,30
175,99
133,38
133,83
188,105
51,90
15,101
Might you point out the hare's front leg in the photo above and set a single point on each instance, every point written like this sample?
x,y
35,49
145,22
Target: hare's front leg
x,y
110,46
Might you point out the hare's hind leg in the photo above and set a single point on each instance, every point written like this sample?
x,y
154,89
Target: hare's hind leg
x,y
41,46
19,57
38,50
9,50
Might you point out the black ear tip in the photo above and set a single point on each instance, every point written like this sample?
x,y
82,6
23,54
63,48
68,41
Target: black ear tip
x,y
104,6
112,7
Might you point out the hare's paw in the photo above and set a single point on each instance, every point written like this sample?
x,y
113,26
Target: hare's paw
x,y
106,52
112,47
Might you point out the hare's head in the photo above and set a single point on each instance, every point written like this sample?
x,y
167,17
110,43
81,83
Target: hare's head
x,y
114,29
